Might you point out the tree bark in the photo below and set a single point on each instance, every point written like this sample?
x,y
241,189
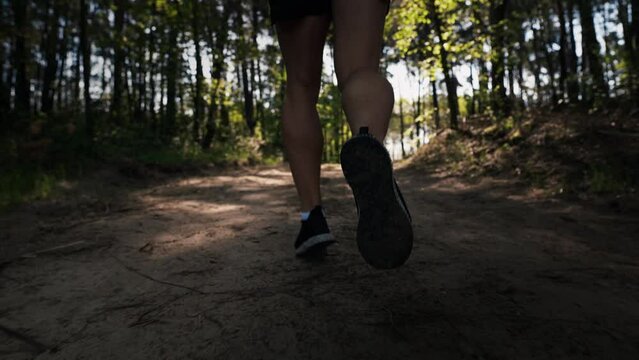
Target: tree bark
x,y
473,97
630,49
256,68
62,55
635,30
401,127
451,81
5,94
117,109
563,48
609,62
85,46
497,58
198,102
51,70
249,114
21,56
433,84
592,52
152,72
243,64
550,61
217,38
573,66
171,83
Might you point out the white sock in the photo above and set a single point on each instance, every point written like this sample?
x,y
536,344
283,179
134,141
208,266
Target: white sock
x,y
305,215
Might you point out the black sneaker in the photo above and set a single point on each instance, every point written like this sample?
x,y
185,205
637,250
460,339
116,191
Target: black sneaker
x,y
384,231
314,235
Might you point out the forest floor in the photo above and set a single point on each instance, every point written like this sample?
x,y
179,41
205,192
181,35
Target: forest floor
x,y
132,263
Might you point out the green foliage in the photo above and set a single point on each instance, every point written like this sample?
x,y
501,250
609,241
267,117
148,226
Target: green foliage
x,y
26,184
238,149
606,178
153,118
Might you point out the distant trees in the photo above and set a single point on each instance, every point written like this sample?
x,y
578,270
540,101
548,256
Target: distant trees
x,y
205,72
522,49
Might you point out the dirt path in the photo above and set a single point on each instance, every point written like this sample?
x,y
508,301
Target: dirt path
x,y
202,267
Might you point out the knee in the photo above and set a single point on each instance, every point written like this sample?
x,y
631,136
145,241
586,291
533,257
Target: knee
x,y
303,87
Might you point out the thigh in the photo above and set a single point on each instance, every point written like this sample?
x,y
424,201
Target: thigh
x,y
359,29
302,45
285,10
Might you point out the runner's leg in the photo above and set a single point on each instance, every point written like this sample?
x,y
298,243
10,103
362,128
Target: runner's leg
x,y
367,97
302,44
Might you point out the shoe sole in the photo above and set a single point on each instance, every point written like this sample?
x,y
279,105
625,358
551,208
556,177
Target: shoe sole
x,y
315,244
384,230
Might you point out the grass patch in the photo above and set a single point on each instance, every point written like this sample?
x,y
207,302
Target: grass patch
x,y
241,151
28,183
607,179
35,173
559,153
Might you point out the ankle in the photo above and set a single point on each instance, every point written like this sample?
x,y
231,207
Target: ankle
x,y
305,214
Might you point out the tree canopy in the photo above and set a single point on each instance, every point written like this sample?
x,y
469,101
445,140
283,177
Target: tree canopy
x,y
204,74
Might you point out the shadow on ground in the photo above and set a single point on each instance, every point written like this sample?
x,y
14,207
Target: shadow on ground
x,y
201,266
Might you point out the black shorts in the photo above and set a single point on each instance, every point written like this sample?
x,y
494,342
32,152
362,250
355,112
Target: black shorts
x,y
283,10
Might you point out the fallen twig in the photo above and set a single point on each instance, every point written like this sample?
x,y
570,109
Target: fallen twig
x,y
69,248
142,320
73,246
148,277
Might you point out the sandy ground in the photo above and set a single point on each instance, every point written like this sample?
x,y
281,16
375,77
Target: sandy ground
x,y
202,267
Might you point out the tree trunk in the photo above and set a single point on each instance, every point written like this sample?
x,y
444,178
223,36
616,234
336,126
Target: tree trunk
x,y
511,83
401,127
104,81
473,96
418,110
11,69
497,58
5,94
433,84
635,31
171,83
152,74
451,81
180,95
21,56
563,48
198,102
550,61
62,55
85,45
217,38
592,52
483,86
630,49
249,114
77,78
117,110
573,66
536,65
162,59
256,69
609,61
245,82
129,87
140,77
51,70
